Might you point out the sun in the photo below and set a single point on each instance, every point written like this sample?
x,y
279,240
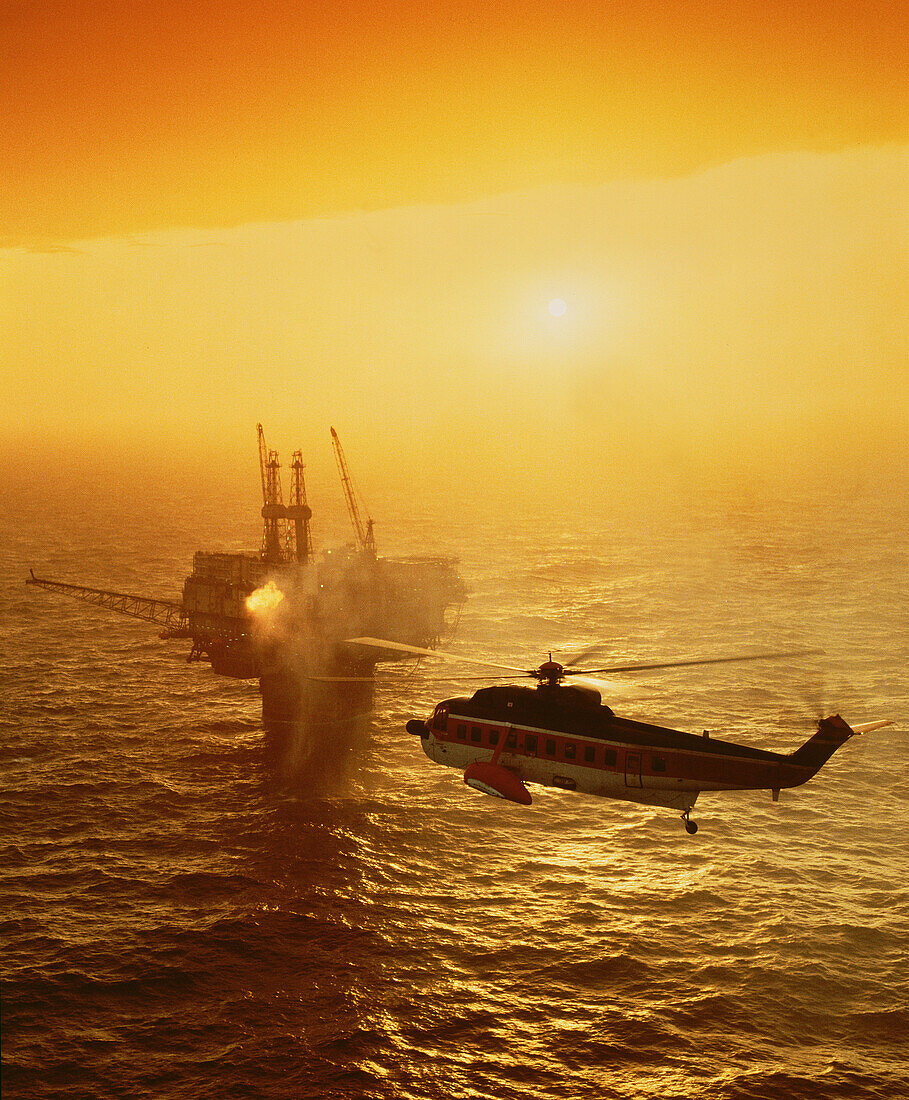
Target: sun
x,y
558,307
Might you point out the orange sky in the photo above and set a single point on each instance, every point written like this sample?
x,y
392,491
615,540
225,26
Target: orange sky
x,y
218,213
141,115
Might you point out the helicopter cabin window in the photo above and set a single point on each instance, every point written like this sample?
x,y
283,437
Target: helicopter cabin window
x,y
571,750
658,764
609,756
493,737
530,743
440,719
590,754
462,732
475,733
550,747
511,741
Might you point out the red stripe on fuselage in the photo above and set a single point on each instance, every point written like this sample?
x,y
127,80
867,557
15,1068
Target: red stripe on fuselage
x,y
719,766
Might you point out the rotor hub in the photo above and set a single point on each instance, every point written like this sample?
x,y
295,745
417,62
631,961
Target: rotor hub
x,y
550,673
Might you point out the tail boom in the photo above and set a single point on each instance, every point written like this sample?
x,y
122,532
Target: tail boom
x,y
831,733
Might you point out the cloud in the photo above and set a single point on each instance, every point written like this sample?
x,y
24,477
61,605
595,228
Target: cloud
x,y
733,312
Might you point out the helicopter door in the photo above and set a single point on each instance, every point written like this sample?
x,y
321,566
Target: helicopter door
x,y
633,769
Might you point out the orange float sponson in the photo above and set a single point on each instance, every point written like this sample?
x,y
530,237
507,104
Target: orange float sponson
x,y
496,780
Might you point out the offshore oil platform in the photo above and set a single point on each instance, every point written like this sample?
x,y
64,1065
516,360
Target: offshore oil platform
x,y
281,614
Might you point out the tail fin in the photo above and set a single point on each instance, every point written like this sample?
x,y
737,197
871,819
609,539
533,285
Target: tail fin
x,y
831,733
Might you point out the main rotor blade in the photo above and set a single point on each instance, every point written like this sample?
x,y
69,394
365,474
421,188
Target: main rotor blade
x,y
462,678
435,679
418,651
604,687
697,661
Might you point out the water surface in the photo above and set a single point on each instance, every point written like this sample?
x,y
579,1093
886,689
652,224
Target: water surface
x,y
188,910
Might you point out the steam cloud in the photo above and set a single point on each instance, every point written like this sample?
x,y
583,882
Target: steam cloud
x,y
319,725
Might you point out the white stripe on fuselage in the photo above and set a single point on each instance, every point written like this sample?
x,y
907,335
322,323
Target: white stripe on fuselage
x,y
677,793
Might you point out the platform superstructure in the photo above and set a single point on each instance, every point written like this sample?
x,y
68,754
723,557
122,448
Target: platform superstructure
x,y
326,598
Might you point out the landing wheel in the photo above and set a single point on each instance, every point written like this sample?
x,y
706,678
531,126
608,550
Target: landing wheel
x,y
691,827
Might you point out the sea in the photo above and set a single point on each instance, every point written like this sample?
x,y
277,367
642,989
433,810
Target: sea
x,y
194,907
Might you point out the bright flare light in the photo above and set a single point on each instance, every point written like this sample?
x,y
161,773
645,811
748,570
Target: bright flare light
x,y
558,307
265,598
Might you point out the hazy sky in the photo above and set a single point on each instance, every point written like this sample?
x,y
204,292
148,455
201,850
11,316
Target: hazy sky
x,y
357,213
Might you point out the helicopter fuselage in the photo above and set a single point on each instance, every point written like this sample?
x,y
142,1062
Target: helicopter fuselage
x,y
564,737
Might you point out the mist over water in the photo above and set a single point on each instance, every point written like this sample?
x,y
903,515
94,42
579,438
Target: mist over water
x,y
193,906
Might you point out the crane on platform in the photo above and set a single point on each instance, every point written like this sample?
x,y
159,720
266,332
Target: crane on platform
x,y
365,536
404,600
274,536
166,613
299,536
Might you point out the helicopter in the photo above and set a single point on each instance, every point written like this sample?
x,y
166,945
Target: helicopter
x,y
562,735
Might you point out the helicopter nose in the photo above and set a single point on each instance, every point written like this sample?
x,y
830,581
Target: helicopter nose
x,y
416,727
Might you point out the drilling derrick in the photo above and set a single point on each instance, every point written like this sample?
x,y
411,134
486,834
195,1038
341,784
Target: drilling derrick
x,y
274,513
299,536
365,538
348,593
